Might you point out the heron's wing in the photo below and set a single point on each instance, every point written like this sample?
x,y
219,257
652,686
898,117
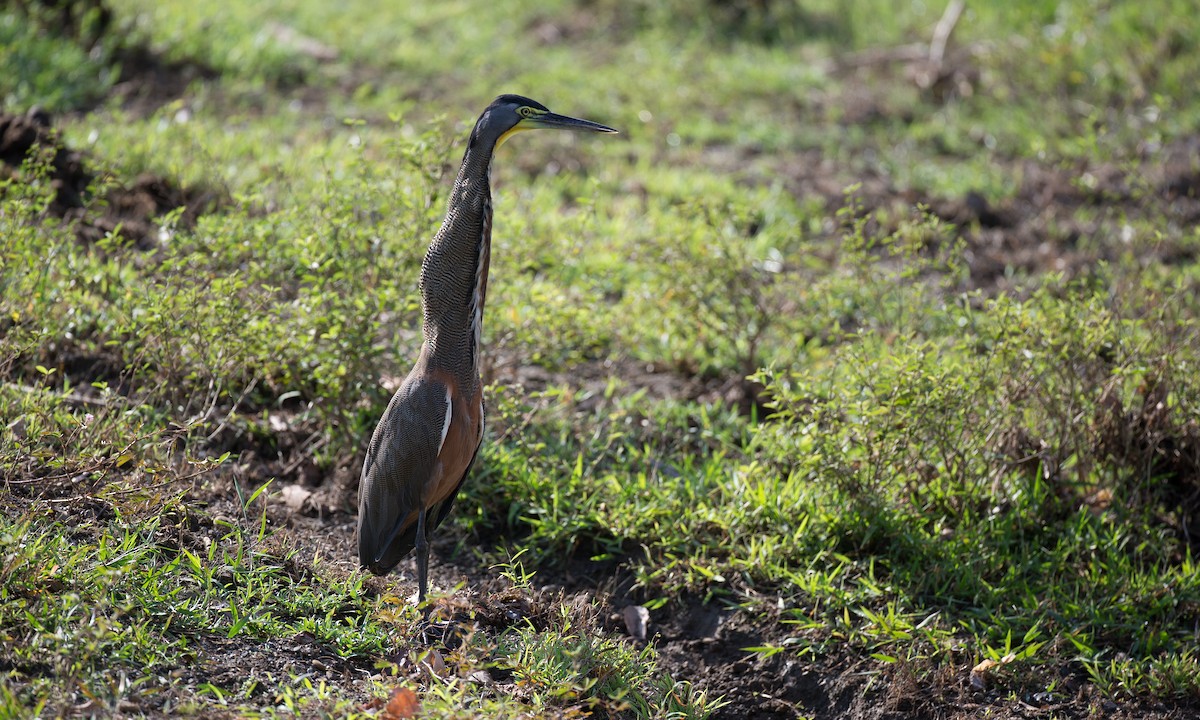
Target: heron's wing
x,y
400,461
442,509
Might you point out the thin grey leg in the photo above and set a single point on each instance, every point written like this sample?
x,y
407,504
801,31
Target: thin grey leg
x,y
422,562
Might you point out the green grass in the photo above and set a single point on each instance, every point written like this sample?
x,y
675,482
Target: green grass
x,y
942,467
53,72
123,617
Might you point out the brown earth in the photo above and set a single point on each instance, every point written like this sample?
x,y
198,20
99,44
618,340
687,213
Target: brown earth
x,y
91,204
1060,219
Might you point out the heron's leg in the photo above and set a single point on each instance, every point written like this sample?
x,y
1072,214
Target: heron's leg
x,y
422,563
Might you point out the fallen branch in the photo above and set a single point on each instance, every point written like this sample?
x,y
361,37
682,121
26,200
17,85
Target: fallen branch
x,y
72,399
943,31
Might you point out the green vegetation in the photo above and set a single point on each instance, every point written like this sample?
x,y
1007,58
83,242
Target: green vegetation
x,y
889,366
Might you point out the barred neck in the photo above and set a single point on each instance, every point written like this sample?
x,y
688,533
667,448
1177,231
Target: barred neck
x,y
455,271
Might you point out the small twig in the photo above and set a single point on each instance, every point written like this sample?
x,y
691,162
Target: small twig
x,y
526,421
164,483
236,403
72,399
214,389
97,465
943,31
306,451
934,51
22,481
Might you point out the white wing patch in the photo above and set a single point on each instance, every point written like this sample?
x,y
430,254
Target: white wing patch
x,y
446,422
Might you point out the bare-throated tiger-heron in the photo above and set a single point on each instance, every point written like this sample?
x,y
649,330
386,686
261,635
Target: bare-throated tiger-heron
x,y
425,443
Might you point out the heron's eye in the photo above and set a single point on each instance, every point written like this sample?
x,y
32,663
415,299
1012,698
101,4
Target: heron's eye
x,y
525,111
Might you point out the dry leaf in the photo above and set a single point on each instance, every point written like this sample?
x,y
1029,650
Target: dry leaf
x,y
432,662
17,428
295,496
1099,501
979,673
636,619
401,705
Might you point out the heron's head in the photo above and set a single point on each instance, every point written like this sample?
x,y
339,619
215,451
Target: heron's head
x,y
510,114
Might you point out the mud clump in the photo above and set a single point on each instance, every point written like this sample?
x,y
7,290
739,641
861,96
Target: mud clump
x,y
21,134
129,209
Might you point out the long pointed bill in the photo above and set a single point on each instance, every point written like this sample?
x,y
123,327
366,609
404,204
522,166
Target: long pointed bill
x,y
563,122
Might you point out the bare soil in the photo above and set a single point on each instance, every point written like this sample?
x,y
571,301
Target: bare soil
x,y
1060,219
92,204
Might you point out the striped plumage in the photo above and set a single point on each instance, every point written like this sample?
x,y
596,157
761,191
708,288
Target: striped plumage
x,y
427,439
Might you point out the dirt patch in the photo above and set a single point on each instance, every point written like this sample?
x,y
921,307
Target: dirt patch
x,y
20,135
1179,178
1069,219
130,208
589,380
1063,218
705,644
148,80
